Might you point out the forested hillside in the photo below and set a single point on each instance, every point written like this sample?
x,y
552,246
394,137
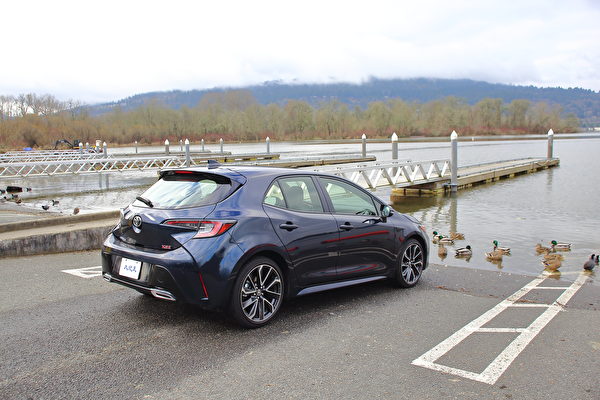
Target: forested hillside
x,y
236,115
585,104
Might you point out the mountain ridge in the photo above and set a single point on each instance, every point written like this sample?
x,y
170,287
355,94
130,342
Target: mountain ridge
x,y
584,103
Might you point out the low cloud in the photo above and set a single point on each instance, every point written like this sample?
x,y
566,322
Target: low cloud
x,y
102,51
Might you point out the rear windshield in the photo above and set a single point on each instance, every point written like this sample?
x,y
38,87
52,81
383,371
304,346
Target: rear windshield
x,y
180,190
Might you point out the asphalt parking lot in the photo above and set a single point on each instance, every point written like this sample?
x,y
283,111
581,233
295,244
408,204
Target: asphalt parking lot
x,y
72,335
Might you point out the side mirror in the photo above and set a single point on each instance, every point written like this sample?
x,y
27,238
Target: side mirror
x,y
386,211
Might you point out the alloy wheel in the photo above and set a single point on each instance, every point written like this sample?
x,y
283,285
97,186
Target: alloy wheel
x,y
261,293
411,263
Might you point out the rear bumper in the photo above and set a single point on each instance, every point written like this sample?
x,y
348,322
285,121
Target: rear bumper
x,y
172,275
156,292
177,275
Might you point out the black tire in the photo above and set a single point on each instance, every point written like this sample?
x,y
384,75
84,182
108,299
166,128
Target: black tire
x,y
410,264
257,293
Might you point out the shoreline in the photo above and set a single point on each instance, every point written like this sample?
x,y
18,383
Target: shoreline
x,y
403,139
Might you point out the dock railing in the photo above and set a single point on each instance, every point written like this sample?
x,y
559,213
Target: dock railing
x,y
374,174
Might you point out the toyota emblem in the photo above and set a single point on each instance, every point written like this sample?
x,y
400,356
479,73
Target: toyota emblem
x,y
137,221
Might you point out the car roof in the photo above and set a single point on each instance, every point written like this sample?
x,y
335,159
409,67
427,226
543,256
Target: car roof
x,y
246,171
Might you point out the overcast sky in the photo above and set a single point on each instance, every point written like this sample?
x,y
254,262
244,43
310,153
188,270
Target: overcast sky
x,y
106,50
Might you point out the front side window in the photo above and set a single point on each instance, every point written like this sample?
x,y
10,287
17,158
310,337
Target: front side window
x,y
347,199
295,193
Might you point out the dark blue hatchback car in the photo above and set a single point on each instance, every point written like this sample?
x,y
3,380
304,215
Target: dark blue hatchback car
x,y
242,239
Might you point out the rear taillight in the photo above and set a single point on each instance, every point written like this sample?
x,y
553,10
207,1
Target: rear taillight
x,y
204,229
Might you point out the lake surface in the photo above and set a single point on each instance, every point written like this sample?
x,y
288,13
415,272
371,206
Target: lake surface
x,y
556,204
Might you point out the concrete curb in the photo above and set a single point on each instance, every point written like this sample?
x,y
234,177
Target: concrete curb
x,y
75,240
62,220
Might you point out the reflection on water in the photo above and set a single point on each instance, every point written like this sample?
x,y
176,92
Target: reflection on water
x,y
556,204
497,263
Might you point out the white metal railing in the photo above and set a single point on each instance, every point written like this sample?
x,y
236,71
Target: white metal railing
x,y
373,174
79,166
84,164
49,156
23,153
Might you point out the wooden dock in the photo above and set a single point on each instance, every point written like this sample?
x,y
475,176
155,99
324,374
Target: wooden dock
x,y
472,175
315,161
57,164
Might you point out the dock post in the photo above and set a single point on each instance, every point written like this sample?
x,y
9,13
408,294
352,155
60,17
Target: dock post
x,y
221,144
136,149
202,143
80,148
454,162
268,140
180,145
167,146
105,149
550,143
87,147
364,145
188,160
394,152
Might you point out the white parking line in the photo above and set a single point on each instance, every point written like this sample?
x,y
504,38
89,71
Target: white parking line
x,y
501,363
86,273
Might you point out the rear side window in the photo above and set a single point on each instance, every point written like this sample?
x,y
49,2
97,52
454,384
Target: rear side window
x,y
182,189
274,196
297,193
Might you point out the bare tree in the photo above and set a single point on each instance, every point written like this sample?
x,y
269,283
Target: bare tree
x,y
7,107
22,104
48,104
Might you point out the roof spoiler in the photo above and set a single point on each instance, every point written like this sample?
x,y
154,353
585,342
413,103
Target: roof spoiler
x,y
212,164
229,173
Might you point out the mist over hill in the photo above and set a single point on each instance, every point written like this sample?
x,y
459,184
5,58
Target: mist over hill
x,y
582,102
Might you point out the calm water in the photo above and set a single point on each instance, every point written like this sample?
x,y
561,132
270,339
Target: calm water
x,y
560,203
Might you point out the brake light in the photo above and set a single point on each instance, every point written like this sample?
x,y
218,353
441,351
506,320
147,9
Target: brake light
x,y
204,229
190,224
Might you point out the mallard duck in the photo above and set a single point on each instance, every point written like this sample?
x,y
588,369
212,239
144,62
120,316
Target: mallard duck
x,y
552,265
442,251
542,249
495,255
560,246
503,250
445,240
589,264
436,236
553,256
464,251
457,236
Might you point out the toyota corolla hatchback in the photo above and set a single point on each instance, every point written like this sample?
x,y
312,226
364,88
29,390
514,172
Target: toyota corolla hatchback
x,y
243,239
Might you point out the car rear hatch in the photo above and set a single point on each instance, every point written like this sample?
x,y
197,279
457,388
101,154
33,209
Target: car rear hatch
x,y
174,209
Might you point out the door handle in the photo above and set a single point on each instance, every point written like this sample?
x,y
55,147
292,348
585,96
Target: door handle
x,y
288,226
347,226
